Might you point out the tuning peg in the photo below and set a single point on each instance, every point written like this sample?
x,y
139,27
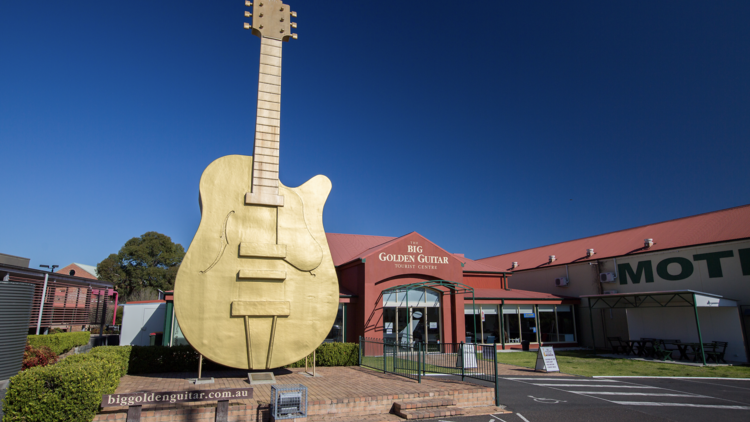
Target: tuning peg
x,y
294,36
248,14
248,4
294,14
294,24
247,25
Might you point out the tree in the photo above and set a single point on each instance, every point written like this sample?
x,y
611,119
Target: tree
x,y
149,261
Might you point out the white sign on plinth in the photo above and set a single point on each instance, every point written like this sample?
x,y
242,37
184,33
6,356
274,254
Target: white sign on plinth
x,y
546,360
469,357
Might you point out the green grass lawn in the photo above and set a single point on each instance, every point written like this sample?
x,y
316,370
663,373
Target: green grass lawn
x,y
583,362
580,362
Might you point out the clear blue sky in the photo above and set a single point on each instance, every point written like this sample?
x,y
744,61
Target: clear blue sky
x,y
488,126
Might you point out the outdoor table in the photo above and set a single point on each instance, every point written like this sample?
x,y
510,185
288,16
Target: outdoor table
x,y
649,346
636,347
696,349
682,348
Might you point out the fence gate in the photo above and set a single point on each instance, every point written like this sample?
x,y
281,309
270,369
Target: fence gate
x,y
413,360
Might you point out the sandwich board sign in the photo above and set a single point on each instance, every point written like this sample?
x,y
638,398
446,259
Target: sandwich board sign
x,y
469,357
546,360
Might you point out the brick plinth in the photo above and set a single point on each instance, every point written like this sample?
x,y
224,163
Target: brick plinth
x,y
338,393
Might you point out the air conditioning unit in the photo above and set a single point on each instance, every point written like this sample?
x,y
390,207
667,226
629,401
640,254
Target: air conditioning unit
x,y
607,277
610,292
561,281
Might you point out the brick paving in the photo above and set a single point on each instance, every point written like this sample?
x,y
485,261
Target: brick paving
x,y
337,392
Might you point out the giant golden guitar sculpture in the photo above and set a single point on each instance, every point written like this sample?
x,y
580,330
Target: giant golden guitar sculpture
x,y
257,288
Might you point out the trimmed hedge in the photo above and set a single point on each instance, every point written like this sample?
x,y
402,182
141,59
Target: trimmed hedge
x,y
67,391
156,359
62,342
333,354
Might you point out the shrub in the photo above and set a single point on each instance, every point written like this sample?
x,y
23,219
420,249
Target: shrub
x,y
155,359
37,356
118,354
67,391
62,342
333,354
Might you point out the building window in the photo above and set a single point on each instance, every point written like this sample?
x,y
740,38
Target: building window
x,y
528,323
566,325
337,334
512,324
547,324
556,324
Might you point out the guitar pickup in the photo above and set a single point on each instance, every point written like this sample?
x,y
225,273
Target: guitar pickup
x,y
262,275
262,250
258,308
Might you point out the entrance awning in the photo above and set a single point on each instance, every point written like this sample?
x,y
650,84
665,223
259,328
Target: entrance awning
x,y
454,286
673,298
664,299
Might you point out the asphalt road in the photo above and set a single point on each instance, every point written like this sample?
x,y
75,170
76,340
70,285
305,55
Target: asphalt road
x,y
543,399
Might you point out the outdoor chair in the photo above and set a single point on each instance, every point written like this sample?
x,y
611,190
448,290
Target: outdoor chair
x,y
661,351
617,345
717,351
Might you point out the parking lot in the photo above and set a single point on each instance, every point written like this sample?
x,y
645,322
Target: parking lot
x,y
541,399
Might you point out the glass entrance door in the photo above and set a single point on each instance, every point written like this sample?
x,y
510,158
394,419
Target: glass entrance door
x,y
419,321
418,324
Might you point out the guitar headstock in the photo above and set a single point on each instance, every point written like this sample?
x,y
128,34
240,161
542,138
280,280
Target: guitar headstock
x,y
271,19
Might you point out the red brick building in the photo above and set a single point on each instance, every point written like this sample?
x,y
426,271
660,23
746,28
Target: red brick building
x,y
408,288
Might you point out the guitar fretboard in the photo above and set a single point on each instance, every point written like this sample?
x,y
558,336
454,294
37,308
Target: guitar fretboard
x,y
265,177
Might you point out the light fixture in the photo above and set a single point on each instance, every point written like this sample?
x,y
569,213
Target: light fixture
x,y
552,259
647,243
515,264
589,253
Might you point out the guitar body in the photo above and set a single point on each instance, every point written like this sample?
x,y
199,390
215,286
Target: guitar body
x,y
257,288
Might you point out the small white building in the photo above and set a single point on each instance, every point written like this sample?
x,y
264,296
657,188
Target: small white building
x,y
140,319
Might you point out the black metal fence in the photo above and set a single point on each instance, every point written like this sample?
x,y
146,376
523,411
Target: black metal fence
x,y
416,359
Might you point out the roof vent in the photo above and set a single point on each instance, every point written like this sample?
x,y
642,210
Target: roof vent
x,y
647,243
552,259
72,272
589,253
515,264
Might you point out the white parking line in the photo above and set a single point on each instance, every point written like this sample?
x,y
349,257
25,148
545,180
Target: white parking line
x,y
710,406
521,416
622,393
590,385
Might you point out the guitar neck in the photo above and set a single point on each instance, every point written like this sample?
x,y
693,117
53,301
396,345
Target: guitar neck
x,y
265,177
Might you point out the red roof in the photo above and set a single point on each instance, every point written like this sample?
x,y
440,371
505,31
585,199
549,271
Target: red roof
x,y
712,227
346,247
471,265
